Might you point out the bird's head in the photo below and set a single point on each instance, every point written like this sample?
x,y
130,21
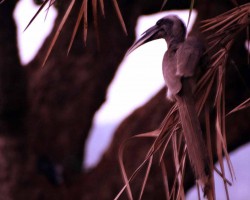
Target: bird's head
x,y
170,28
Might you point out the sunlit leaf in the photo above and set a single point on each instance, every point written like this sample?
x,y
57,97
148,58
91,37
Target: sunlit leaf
x,y
65,17
36,14
146,177
94,7
163,4
85,21
119,14
244,105
190,11
79,18
165,179
102,7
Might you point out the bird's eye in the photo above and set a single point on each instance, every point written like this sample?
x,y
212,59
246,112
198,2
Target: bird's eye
x,y
159,22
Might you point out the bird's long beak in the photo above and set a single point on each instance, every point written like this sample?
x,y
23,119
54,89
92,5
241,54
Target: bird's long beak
x,y
149,35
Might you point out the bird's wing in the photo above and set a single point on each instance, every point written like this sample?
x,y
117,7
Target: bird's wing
x,y
188,56
172,81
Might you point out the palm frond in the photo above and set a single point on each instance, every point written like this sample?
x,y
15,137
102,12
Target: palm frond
x,y
243,105
102,7
209,150
165,179
179,174
95,17
119,15
146,176
51,2
163,4
85,20
65,17
83,13
225,28
190,12
36,14
79,18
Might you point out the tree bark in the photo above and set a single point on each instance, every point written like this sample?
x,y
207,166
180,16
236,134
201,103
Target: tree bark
x,y
13,106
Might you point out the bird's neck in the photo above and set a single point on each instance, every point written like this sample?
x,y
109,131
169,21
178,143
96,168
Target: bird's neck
x,y
174,42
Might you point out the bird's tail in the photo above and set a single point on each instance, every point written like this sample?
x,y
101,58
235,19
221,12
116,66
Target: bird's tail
x,y
196,148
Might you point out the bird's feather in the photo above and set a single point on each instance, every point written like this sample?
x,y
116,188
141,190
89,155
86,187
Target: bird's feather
x,y
172,81
192,132
188,56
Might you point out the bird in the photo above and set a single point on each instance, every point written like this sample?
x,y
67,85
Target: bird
x,y
180,67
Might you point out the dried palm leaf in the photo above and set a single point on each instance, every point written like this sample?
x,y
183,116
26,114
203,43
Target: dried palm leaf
x,y
165,179
146,177
119,14
79,18
177,166
102,7
190,11
83,12
85,20
36,14
51,2
65,17
209,150
225,28
94,8
244,105
163,4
